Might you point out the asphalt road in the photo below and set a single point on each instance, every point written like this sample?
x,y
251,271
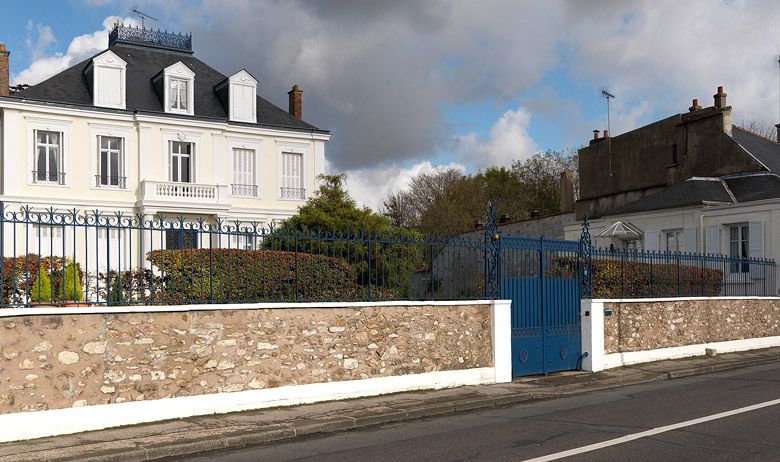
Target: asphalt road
x,y
630,419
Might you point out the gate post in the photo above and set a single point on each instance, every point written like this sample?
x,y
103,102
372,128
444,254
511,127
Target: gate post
x,y
586,259
492,255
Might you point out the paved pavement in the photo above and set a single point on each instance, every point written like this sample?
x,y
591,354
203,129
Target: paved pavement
x,y
209,433
700,418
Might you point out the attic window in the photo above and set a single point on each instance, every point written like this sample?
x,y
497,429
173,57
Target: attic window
x,y
106,75
239,95
176,87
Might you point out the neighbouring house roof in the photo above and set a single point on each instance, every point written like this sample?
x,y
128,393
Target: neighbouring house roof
x,y
70,87
684,194
754,187
622,230
763,149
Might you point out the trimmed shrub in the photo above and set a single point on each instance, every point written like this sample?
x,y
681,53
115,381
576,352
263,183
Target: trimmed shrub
x,y
117,293
18,274
41,288
635,279
224,275
70,289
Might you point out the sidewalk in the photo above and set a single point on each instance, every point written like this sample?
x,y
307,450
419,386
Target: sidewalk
x,y
208,433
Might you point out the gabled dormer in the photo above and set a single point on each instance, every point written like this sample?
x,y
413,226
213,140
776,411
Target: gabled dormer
x,y
106,79
175,85
238,94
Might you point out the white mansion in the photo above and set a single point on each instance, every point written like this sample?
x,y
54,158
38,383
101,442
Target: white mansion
x,y
144,128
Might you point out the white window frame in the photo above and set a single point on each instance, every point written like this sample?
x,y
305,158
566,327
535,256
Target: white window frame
x,y
178,71
98,130
304,149
35,124
745,243
187,137
108,60
190,155
242,79
249,144
679,238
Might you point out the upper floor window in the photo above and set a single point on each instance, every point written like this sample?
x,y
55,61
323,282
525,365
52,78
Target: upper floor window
x,y
292,176
111,163
178,93
739,247
181,161
48,158
244,173
106,73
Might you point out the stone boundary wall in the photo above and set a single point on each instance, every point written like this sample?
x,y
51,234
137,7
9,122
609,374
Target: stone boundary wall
x,y
664,323
56,361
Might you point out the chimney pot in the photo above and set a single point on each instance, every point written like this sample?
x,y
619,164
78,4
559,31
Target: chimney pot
x,y
4,71
720,98
596,134
694,105
606,133
296,97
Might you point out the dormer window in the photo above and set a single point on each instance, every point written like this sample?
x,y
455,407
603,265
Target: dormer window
x,y
178,92
176,87
239,95
106,78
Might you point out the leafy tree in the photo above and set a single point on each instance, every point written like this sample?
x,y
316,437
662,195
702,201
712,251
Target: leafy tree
x,y
41,288
332,224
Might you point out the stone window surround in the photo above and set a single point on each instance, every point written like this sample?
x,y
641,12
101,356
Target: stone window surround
x,y
186,137
244,143
119,131
293,148
54,125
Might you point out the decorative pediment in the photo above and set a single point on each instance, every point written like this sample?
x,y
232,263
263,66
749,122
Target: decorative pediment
x,y
106,77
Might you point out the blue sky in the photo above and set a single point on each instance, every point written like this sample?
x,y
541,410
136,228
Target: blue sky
x,y
407,87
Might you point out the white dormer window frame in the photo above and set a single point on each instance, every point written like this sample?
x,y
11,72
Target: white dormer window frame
x,y
104,95
179,100
243,97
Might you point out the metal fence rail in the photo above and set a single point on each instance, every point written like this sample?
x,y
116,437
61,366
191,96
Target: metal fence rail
x,y
639,274
118,259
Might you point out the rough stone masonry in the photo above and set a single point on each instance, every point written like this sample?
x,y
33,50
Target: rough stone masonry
x,y
51,362
639,326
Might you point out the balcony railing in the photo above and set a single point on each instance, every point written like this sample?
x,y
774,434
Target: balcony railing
x,y
172,191
293,193
246,190
48,177
102,181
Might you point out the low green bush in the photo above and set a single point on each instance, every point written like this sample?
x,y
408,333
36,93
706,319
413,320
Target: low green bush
x,y
41,288
233,275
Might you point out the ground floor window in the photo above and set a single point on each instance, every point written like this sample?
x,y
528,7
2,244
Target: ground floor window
x,y
739,247
181,239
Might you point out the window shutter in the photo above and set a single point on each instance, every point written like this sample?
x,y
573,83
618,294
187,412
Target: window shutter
x,y
689,240
756,246
712,241
651,240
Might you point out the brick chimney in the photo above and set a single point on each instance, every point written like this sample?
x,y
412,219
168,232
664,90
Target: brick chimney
x,y
595,136
4,83
777,127
296,97
694,106
606,134
720,98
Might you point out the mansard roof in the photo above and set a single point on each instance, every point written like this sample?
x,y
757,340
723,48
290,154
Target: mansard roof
x,y
70,87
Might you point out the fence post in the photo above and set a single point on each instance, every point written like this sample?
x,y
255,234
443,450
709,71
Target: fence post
x,y
586,259
492,255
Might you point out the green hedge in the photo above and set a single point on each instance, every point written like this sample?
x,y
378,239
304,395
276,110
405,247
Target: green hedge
x,y
636,279
231,275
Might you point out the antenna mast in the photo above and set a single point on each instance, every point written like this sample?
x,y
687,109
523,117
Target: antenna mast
x,y
607,95
143,16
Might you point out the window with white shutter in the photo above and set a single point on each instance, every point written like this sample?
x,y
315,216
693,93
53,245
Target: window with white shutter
x,y
292,176
244,173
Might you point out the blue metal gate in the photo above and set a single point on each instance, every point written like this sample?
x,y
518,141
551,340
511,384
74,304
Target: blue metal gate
x,y
542,278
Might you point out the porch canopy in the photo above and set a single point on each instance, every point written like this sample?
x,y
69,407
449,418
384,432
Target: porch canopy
x,y
622,230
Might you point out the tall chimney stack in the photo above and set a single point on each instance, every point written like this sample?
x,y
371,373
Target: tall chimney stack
x,y
296,97
720,98
4,79
777,128
694,106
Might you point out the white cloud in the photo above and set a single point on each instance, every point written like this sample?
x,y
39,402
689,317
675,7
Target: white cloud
x,y
370,186
81,47
507,141
45,38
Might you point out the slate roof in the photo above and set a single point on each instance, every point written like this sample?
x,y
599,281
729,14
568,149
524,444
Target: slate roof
x,y
754,187
70,87
684,194
763,149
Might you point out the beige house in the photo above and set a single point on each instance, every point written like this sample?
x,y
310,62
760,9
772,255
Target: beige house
x,y
145,128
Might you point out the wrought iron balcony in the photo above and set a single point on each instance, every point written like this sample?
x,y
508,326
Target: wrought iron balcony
x,y
149,37
103,181
48,177
293,193
245,190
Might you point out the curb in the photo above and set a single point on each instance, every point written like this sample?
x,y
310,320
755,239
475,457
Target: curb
x,y
361,419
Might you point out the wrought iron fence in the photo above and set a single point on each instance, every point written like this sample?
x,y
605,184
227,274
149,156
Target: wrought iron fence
x,y
56,257
640,274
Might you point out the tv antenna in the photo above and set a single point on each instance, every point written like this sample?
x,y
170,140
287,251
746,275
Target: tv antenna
x,y
607,95
143,16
